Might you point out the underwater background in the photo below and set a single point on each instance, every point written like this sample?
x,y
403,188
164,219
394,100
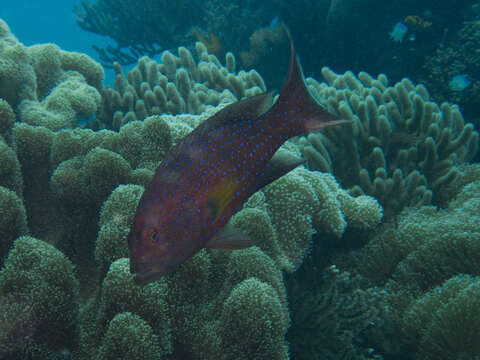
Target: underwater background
x,y
370,250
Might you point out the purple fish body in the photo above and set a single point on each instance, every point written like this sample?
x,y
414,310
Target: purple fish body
x,y
209,174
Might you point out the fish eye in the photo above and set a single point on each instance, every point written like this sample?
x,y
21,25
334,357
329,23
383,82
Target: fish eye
x,y
153,236
150,235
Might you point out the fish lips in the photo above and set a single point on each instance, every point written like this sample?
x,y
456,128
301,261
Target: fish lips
x,y
148,272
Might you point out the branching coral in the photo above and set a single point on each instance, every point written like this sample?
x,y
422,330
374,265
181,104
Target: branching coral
x,y
400,148
146,30
178,85
329,312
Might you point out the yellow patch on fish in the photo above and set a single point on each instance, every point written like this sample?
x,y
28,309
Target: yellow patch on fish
x,y
221,196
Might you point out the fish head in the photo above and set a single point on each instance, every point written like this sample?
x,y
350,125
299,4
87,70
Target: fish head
x,y
152,252
160,239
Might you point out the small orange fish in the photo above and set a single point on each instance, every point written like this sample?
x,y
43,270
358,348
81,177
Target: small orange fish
x,y
208,175
214,45
416,22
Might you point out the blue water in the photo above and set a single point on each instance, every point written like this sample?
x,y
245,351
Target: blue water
x,y
37,22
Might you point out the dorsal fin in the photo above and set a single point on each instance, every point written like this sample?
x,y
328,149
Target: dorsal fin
x,y
246,109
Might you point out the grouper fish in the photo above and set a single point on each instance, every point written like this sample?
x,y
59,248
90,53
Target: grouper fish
x,y
210,173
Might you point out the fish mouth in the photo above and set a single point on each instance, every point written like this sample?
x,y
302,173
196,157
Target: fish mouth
x,y
147,272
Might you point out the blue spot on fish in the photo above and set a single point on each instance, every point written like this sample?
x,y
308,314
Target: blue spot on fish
x,y
459,82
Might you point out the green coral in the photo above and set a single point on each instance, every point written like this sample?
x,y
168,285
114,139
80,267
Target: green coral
x,y
129,337
32,73
121,294
10,173
71,99
400,148
17,75
253,318
90,178
316,204
426,246
418,259
331,313
115,218
7,119
178,85
444,322
43,276
13,219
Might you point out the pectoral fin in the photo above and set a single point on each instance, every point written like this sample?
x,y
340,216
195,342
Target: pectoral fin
x,y
229,238
220,197
280,164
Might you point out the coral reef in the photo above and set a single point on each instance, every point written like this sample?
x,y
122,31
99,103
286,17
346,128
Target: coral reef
x,y
16,73
417,249
77,189
23,69
330,313
317,204
146,31
70,100
43,277
443,323
13,221
68,195
156,26
458,56
129,337
7,119
261,42
178,85
399,142
17,326
427,262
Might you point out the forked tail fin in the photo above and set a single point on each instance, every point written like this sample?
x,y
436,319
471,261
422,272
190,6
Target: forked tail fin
x,y
296,111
